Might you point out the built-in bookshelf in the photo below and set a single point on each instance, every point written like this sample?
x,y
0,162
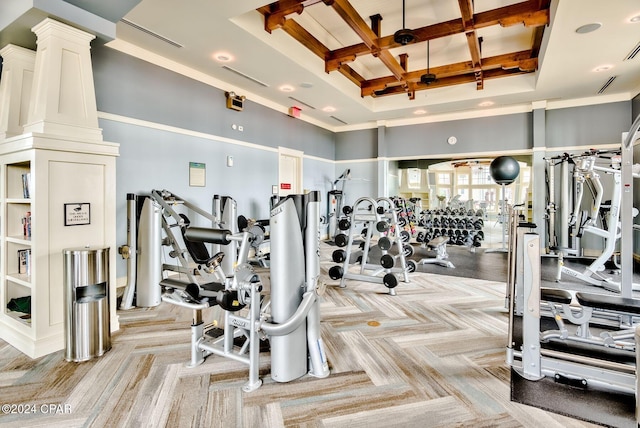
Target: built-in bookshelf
x,y
15,250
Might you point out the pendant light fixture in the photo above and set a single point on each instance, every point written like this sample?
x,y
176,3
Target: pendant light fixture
x,y
404,36
428,77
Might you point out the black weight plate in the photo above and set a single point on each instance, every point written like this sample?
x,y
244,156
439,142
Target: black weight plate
x,y
387,261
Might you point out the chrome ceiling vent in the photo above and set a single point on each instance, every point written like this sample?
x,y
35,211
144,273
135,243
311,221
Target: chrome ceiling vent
x,y
246,76
633,52
606,85
151,33
302,102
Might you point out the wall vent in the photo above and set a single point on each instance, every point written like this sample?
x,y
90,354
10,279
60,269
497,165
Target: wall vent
x,y
633,52
151,33
246,76
606,85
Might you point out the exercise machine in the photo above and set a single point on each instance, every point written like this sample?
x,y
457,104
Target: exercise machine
x,y
335,201
553,348
587,172
156,221
288,316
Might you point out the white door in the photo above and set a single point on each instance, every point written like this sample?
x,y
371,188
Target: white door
x,y
289,171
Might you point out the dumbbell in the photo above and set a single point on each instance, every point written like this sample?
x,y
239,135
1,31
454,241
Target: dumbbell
x,y
405,236
347,210
387,261
407,250
341,240
412,266
390,280
420,237
336,272
382,226
344,224
339,256
384,243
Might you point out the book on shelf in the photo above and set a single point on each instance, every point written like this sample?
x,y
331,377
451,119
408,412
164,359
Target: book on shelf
x,y
26,185
24,261
26,225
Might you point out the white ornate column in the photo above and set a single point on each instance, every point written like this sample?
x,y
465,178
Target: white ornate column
x,y
15,89
63,100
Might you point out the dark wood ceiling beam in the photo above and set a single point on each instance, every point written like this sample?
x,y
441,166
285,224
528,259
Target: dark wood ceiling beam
x,y
473,42
403,61
276,13
521,61
519,13
447,81
296,31
376,23
353,19
351,74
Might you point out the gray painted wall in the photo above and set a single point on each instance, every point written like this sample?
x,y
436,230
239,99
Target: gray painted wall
x,y
589,125
362,144
494,134
134,88
152,158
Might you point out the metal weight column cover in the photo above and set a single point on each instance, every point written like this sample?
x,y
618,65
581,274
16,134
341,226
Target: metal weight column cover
x,y
149,292
317,356
288,352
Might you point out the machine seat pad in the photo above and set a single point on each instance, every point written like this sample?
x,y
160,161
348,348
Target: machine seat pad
x,y
436,242
201,294
555,295
614,303
212,286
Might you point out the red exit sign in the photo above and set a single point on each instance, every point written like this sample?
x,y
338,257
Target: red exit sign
x,y
285,186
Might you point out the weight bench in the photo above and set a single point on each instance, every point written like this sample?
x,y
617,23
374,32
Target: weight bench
x,y
608,302
589,303
439,245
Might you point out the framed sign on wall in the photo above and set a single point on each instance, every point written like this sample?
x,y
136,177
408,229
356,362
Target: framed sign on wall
x,y
76,214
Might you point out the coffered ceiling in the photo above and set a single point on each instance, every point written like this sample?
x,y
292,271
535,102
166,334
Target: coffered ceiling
x,y
338,61
361,43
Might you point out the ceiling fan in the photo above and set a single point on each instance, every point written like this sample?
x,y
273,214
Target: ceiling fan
x,y
404,36
428,77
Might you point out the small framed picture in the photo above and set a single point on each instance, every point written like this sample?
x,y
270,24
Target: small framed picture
x,y
76,214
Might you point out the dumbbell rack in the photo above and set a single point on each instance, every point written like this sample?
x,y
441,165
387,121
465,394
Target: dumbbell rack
x,y
462,227
372,215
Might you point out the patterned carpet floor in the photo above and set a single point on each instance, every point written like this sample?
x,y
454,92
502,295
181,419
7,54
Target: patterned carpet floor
x,y
431,356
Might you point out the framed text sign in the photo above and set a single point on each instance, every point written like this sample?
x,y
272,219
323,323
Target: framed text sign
x,y
197,174
76,214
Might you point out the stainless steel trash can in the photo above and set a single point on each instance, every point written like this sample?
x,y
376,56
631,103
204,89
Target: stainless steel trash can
x,y
86,296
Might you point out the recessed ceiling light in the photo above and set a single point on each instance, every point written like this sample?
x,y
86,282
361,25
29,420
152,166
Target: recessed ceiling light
x,y
419,111
286,88
486,103
634,19
306,85
223,57
588,28
603,68
329,109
